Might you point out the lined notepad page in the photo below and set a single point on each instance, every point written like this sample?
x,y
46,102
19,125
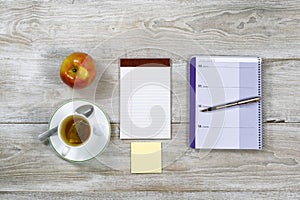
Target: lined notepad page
x,y
223,79
145,99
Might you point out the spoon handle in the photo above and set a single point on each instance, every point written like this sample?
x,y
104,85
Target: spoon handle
x,y
47,134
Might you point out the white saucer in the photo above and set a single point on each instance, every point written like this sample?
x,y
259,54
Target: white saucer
x,y
100,125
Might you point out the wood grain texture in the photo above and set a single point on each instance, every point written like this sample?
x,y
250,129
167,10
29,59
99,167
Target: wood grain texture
x,y
275,168
212,195
44,92
35,37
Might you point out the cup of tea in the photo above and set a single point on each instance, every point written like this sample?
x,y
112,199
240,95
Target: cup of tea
x,y
74,131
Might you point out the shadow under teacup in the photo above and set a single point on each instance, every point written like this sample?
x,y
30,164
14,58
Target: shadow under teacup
x,y
74,131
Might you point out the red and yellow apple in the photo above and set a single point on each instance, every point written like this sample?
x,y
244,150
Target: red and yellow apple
x,y
78,70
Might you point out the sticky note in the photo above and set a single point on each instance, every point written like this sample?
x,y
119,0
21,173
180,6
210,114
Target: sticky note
x,y
146,157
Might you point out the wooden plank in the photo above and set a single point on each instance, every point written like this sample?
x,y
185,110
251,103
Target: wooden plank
x,y
222,27
280,96
211,195
28,165
36,37
33,92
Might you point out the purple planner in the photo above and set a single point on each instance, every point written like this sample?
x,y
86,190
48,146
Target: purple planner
x,y
217,80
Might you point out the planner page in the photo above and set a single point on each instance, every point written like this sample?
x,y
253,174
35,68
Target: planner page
x,y
220,80
145,99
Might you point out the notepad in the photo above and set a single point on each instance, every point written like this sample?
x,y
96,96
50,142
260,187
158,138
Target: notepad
x,y
145,98
217,80
146,157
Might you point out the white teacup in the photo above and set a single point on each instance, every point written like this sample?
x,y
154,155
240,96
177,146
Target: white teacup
x,y
74,131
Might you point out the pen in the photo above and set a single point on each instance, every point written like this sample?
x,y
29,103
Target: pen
x,y
235,103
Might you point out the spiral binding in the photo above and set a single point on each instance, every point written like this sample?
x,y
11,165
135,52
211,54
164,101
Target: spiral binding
x,y
260,129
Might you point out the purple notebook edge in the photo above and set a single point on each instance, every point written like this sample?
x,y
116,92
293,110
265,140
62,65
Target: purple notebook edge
x,y
192,101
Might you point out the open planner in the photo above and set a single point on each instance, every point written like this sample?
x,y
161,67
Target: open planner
x,y
217,80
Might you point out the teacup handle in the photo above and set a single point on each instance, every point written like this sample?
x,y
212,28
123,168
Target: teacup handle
x,y
65,151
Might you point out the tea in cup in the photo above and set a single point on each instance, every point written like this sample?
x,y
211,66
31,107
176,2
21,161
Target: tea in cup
x,y
74,131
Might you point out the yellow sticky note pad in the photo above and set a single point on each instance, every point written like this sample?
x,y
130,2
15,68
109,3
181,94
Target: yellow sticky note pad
x,y
146,157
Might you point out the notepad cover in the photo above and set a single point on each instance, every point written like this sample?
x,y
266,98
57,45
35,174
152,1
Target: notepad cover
x,y
216,80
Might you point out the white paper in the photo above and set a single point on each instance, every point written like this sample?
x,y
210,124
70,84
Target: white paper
x,y
145,102
220,80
